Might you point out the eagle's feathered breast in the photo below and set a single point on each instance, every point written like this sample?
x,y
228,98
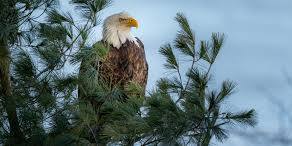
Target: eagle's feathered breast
x,y
125,64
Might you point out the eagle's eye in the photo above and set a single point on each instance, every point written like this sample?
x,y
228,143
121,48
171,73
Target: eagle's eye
x,y
122,19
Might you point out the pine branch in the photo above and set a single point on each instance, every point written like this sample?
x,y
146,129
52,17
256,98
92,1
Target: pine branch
x,y
167,52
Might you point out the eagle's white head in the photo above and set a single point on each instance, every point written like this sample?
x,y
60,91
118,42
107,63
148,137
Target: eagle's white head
x,y
117,27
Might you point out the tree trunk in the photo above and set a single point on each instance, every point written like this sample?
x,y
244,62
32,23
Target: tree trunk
x,y
9,102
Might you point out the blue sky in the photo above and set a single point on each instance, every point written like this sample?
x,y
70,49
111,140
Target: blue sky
x,y
257,54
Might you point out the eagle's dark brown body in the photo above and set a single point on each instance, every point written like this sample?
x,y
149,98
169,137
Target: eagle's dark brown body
x,y
125,64
118,68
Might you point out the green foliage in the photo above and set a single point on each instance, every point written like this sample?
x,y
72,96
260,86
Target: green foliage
x,y
24,68
126,123
8,20
181,109
17,13
185,39
55,17
90,8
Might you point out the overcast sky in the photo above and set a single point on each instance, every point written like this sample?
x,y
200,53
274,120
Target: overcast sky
x,y
257,54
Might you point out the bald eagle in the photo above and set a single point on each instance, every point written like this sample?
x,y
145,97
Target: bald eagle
x,y
125,60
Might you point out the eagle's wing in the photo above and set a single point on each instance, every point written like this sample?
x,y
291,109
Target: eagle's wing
x,y
140,65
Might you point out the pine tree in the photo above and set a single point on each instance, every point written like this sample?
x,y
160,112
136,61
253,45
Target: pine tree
x,y
39,99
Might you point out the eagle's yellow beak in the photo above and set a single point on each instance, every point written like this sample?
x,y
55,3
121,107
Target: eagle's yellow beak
x,y
131,22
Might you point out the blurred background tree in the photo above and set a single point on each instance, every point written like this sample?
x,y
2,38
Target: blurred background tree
x,y
39,99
